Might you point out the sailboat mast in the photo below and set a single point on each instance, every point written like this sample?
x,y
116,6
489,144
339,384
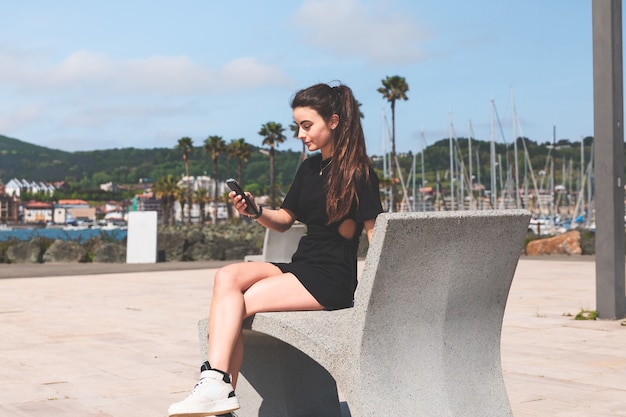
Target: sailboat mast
x,y
469,153
501,181
516,180
423,176
570,189
589,185
582,165
525,178
480,196
552,175
451,161
413,183
494,191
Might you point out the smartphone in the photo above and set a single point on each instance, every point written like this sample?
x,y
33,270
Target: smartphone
x,y
251,208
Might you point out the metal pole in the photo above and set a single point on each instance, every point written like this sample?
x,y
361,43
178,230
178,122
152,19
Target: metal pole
x,y
609,157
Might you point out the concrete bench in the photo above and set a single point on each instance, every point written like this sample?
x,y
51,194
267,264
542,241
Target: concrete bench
x,y
423,338
279,246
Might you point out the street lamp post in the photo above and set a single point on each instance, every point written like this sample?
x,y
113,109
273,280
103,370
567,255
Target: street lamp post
x,y
609,157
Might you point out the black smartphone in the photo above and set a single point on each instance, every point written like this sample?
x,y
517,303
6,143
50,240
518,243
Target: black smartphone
x,y
251,208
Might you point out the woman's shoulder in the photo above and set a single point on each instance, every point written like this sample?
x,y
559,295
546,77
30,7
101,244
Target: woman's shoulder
x,y
312,161
308,165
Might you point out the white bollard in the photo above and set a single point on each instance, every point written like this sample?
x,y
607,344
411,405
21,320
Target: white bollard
x,y
141,241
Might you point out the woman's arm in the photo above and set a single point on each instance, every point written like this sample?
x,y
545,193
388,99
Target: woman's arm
x,y
368,225
278,220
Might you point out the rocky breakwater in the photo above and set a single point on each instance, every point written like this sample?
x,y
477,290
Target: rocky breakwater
x,y
44,250
566,244
209,243
178,243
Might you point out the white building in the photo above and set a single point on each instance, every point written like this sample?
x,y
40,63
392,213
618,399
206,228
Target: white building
x,y
114,211
38,212
18,187
109,186
202,183
211,211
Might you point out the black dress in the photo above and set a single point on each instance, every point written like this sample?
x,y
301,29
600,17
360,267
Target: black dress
x,y
326,262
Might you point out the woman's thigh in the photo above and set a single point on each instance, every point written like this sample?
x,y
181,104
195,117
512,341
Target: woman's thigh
x,y
265,288
282,292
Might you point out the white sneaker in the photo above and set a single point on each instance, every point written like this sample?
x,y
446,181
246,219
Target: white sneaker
x,y
213,395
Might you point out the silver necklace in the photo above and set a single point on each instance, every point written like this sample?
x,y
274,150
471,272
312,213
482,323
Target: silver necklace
x,y
322,168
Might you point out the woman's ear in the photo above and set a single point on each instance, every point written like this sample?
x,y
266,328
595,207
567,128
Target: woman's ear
x,y
334,121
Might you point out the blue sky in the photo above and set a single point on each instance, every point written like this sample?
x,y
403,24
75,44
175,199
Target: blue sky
x,y
78,75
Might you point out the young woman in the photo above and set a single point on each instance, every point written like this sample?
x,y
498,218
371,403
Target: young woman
x,y
335,193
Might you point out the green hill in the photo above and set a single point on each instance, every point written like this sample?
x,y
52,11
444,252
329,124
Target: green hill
x,y
20,159
87,170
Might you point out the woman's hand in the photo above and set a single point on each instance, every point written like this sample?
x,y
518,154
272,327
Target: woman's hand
x,y
239,203
278,220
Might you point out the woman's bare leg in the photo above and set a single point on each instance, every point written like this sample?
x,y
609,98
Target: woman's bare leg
x,y
236,361
279,293
241,291
228,309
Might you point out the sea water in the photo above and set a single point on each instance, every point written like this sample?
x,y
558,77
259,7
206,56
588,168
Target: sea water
x,y
79,235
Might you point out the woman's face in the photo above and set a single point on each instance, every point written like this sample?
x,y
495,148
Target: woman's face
x,y
314,131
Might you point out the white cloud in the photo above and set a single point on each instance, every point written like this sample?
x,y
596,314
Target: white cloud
x,y
79,68
249,72
153,75
363,29
12,121
135,114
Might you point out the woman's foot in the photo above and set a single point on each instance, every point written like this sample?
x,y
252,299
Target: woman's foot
x,y
212,395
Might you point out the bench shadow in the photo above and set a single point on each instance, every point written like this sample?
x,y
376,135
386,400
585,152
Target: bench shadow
x,y
269,366
345,409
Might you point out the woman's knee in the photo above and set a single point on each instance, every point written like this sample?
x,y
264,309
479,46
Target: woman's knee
x,y
225,278
242,276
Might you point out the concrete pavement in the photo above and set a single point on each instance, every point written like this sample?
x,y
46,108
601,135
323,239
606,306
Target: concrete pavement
x,y
554,365
123,342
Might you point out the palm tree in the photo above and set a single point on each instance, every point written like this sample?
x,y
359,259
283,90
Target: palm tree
x,y
166,190
200,198
394,88
238,148
182,196
214,145
272,133
185,144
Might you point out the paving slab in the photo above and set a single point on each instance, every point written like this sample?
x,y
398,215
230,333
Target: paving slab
x,y
123,342
555,365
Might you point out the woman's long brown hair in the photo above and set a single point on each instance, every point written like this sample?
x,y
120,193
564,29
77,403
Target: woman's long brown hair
x,y
350,162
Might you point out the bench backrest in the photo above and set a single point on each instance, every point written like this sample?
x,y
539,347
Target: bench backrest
x,y
444,246
279,247
434,287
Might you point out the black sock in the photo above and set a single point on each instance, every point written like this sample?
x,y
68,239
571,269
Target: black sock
x,y
206,366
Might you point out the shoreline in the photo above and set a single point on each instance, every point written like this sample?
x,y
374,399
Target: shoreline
x,y
49,269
